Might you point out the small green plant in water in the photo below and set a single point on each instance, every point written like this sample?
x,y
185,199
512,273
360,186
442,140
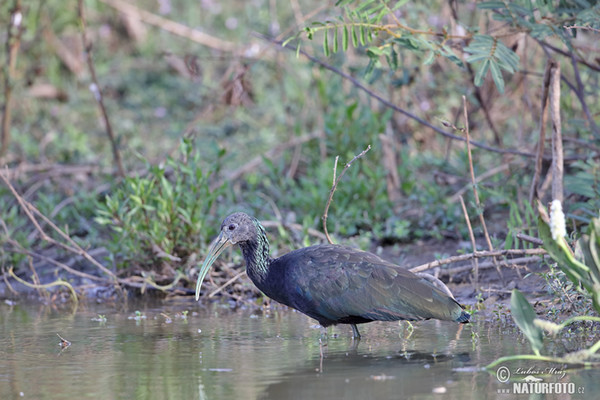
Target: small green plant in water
x,y
100,318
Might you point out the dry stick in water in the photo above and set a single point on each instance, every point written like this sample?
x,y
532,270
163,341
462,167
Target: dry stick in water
x,y
540,147
95,89
334,186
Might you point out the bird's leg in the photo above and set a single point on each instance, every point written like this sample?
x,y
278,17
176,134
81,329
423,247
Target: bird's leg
x,y
355,332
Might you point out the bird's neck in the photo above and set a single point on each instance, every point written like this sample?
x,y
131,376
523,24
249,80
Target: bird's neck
x,y
256,254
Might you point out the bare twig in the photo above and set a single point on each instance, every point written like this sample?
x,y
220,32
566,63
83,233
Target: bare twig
x,y
542,137
72,246
475,192
580,93
557,149
95,89
473,181
334,187
13,42
480,178
223,286
477,254
546,45
485,265
581,27
298,227
472,237
484,106
530,239
19,249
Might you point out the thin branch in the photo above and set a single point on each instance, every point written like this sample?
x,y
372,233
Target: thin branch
x,y
312,232
488,264
567,54
473,182
580,93
95,89
472,237
391,105
223,286
484,106
530,239
72,246
13,42
477,254
542,137
479,179
581,27
334,187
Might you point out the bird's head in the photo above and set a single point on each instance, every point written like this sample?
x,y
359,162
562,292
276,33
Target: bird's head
x,y
235,229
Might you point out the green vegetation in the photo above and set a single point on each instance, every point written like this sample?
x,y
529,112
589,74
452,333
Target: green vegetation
x,y
208,124
164,213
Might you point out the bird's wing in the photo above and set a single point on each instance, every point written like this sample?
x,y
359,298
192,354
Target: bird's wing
x,y
340,282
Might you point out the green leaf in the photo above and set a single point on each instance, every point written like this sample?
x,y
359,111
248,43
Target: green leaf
x,y
345,38
523,314
354,36
326,44
335,40
481,72
497,76
363,39
558,253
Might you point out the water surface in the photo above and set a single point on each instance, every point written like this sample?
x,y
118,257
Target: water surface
x,y
192,351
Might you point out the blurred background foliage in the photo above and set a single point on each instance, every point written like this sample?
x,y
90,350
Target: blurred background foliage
x,y
219,118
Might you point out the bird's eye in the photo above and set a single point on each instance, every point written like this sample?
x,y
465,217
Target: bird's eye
x,y
231,227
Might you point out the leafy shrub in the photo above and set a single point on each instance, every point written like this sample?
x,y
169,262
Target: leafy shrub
x,y
165,214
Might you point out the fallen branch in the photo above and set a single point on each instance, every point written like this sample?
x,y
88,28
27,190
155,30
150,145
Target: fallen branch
x,y
489,264
477,254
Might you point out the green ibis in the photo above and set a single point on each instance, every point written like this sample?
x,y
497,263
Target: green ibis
x,y
333,284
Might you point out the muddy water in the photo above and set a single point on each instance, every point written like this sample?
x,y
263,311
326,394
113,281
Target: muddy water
x,y
212,352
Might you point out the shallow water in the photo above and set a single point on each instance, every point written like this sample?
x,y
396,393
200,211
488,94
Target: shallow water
x,y
214,352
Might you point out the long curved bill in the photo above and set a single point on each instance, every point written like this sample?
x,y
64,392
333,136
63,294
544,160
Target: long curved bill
x,y
216,248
